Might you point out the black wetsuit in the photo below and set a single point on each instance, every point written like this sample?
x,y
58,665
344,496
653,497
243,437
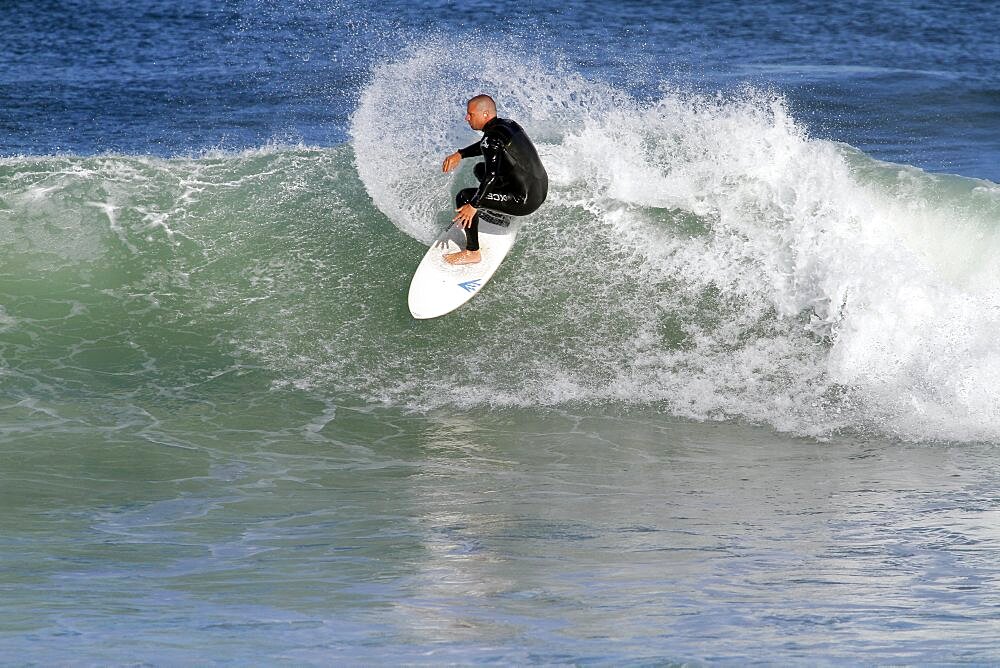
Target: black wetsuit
x,y
511,177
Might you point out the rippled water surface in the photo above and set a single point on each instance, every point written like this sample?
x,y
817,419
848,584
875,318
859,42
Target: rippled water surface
x,y
529,536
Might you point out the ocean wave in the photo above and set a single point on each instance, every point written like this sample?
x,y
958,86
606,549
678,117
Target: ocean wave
x,y
699,253
712,256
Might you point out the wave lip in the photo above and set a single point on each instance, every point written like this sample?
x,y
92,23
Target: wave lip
x,y
741,268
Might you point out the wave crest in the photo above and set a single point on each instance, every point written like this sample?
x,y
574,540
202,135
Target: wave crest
x,y
740,268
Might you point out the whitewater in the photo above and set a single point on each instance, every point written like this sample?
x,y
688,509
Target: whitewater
x,y
728,255
698,253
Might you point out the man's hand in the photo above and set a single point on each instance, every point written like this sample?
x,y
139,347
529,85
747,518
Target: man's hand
x,y
464,216
451,162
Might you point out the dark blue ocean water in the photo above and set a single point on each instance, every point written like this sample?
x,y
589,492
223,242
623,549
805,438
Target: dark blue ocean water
x,y
909,82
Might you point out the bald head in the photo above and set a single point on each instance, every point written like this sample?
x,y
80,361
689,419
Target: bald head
x,y
480,111
481,103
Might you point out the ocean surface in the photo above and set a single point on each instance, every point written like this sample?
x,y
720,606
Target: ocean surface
x,y
734,398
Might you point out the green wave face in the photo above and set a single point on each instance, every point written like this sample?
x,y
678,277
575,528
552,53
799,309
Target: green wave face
x,y
702,256
122,273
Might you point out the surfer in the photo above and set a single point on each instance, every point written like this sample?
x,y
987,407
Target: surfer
x,y
511,177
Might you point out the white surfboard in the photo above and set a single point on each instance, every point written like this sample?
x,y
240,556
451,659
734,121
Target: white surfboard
x,y
438,288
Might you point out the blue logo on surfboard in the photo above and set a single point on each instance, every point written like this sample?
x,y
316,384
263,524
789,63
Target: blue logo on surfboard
x,y
471,286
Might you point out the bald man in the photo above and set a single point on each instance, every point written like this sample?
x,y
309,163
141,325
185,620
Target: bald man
x,y
511,177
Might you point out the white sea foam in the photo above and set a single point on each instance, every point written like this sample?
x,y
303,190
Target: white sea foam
x,y
845,293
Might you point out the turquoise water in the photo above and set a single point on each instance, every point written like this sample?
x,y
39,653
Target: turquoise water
x,y
731,399
527,536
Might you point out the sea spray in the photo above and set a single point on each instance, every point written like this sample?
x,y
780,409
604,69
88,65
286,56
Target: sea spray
x,y
744,269
698,253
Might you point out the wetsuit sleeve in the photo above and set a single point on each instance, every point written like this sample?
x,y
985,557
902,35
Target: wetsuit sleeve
x,y
471,151
492,148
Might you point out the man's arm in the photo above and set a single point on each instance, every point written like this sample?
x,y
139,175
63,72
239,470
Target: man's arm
x,y
472,150
491,148
451,162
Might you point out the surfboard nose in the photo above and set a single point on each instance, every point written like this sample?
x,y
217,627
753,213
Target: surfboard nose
x,y
420,313
438,288
421,302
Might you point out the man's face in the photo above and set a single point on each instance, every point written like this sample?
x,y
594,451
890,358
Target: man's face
x,y
476,118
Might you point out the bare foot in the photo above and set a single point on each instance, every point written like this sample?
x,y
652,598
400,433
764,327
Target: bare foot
x,y
463,257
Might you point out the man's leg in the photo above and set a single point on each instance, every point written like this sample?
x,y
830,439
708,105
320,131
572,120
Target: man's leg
x,y
472,232
501,201
504,202
464,197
